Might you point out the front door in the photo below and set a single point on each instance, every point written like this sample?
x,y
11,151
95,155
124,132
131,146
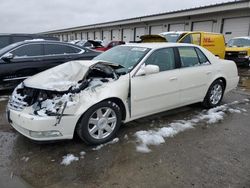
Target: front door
x,y
156,92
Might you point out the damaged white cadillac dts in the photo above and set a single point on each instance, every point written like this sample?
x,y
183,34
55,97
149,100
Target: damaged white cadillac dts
x,y
92,98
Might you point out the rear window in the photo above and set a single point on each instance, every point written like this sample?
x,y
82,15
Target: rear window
x,y
57,49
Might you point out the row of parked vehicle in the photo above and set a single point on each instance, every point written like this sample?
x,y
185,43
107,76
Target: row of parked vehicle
x,y
24,55
236,49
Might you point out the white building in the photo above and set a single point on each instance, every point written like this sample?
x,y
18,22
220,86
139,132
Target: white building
x,y
231,18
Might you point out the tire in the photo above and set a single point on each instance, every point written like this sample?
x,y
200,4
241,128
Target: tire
x,y
100,123
214,94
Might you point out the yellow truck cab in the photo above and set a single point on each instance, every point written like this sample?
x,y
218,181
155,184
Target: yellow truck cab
x,y
238,50
214,42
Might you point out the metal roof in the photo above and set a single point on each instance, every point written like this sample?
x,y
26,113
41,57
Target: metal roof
x,y
217,7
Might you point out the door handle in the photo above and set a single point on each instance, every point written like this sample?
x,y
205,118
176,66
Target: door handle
x,y
173,78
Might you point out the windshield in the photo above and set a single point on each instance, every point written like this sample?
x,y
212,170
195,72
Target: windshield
x,y
172,37
126,56
239,42
8,48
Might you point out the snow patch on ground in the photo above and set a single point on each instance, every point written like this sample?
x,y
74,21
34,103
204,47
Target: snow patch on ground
x,y
158,136
68,159
3,98
115,140
25,159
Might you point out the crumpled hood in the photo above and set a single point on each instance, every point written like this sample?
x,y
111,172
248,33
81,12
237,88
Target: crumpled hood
x,y
60,78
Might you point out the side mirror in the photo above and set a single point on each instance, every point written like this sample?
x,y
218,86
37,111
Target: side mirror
x,y
148,69
7,56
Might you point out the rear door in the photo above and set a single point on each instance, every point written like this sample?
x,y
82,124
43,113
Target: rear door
x,y
195,74
159,91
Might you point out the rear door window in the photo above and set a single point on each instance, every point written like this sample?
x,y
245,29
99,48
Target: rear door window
x,y
29,50
59,49
188,56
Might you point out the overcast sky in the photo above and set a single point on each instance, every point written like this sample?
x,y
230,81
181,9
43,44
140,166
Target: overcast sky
x,y
32,16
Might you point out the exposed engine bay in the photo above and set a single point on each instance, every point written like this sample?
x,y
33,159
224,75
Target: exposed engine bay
x,y
53,103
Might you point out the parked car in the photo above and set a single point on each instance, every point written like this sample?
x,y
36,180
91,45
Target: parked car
x,y
127,82
23,59
238,50
110,45
89,44
7,39
214,42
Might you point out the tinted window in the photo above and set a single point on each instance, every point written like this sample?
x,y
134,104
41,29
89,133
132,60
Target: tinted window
x,y
188,57
164,58
203,59
28,50
55,49
20,38
4,41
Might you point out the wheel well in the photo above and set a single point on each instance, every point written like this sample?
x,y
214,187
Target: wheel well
x,y
223,80
115,100
120,104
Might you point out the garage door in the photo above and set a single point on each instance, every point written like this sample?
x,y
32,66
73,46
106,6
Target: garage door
x,y
97,35
156,30
84,36
106,35
177,27
116,34
139,32
203,26
236,27
128,35
91,35
78,36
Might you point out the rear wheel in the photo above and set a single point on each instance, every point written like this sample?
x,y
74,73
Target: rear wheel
x,y
214,94
100,123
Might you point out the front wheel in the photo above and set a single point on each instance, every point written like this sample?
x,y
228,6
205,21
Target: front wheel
x,y
100,123
214,94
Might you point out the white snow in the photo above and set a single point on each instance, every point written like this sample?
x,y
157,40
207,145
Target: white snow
x,y
4,98
158,136
115,140
25,159
82,153
68,159
52,105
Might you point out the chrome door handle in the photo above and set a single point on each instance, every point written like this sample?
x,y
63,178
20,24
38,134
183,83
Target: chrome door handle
x,y
173,78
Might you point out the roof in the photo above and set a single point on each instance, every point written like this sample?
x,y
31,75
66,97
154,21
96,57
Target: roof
x,y
156,45
231,5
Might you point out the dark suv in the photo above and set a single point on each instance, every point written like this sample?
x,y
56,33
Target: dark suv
x,y
23,59
7,39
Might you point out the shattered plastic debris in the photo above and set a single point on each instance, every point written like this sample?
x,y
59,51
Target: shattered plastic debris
x,y
68,159
115,140
158,136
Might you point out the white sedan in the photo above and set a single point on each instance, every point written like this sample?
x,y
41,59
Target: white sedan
x,y
92,98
